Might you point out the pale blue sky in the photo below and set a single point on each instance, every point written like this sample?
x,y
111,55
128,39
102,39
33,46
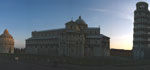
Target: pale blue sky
x,y
115,17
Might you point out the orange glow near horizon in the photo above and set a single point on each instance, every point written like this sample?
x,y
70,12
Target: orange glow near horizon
x,y
123,42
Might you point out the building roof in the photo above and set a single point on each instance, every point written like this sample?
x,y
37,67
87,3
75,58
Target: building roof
x,y
51,30
141,2
6,34
6,38
92,28
97,36
71,22
6,31
104,36
50,37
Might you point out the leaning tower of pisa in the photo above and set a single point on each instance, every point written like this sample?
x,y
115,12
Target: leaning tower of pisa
x,y
141,42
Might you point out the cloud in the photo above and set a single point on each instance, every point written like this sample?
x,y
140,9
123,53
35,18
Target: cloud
x,y
100,10
116,13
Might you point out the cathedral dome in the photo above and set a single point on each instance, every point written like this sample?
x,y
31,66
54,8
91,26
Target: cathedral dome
x,y
80,21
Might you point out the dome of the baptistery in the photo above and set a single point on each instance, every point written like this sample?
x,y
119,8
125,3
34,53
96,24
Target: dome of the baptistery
x,y
6,38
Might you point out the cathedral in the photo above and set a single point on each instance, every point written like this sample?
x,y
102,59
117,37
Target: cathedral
x,y
141,42
76,39
6,43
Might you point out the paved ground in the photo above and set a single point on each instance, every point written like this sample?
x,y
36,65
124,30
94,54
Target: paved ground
x,y
7,65
20,66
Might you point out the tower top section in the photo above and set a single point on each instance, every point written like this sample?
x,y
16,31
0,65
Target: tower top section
x,y
142,6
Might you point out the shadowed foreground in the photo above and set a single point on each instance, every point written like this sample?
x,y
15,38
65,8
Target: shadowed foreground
x,y
28,62
7,65
20,66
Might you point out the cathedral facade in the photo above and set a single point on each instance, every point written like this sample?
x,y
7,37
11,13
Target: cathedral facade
x,y
141,42
6,43
76,39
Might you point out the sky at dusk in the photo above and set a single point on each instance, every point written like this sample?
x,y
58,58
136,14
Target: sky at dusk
x,y
115,17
